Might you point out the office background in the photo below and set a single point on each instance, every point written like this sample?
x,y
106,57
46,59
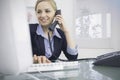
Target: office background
x,y
94,24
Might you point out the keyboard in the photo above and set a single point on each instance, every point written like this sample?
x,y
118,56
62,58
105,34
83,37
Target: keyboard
x,y
53,66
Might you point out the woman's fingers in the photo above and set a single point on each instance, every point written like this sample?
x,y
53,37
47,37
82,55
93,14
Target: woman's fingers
x,y
61,22
43,59
39,59
48,61
59,19
35,59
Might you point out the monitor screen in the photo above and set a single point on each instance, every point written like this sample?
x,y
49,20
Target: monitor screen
x,y
15,44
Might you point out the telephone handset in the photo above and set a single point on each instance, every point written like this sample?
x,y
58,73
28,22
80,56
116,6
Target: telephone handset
x,y
53,25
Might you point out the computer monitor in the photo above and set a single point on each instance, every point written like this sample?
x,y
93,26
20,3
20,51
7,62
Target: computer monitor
x,y
15,44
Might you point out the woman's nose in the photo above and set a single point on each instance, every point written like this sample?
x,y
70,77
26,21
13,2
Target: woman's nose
x,y
43,14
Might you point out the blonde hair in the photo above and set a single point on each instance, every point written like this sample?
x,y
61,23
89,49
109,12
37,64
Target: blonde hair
x,y
52,2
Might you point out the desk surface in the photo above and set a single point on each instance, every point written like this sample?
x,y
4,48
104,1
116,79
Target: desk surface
x,y
86,71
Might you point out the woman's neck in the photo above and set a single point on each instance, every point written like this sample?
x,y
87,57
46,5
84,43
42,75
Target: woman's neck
x,y
46,30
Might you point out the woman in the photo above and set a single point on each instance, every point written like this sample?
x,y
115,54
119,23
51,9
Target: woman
x,y
47,48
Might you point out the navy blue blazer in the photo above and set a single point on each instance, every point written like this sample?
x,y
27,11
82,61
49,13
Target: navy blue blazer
x,y
38,46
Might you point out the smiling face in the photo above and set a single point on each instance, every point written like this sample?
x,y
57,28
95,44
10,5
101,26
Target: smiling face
x,y
45,13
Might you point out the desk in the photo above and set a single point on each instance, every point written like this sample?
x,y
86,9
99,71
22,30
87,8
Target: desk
x,y
86,71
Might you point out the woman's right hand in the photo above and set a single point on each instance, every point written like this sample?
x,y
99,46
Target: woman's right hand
x,y
40,59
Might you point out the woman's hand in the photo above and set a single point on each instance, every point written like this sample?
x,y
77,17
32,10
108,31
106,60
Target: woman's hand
x,y
40,59
61,23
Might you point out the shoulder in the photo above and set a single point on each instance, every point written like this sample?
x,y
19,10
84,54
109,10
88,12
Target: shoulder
x,y
33,27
